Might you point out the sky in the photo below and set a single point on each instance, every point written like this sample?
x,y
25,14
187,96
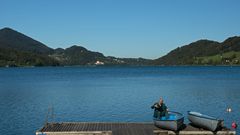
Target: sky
x,y
122,28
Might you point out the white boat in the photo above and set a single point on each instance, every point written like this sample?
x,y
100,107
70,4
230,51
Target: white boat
x,y
204,121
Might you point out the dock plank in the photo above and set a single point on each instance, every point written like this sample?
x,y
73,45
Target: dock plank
x,y
116,128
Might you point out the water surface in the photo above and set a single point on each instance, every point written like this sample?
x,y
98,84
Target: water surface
x,y
107,94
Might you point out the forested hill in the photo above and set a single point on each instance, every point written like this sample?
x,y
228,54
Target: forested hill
x,y
204,52
11,39
17,49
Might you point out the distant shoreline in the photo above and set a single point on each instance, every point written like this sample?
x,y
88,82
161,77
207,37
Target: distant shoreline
x,y
122,66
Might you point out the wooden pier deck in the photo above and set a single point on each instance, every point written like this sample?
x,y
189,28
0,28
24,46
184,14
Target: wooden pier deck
x,y
105,128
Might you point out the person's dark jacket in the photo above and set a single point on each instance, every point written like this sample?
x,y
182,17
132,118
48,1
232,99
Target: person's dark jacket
x,y
159,110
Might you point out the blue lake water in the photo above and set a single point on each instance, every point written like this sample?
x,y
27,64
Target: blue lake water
x,y
107,94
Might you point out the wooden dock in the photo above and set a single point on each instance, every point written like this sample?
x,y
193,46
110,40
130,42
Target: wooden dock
x,y
106,128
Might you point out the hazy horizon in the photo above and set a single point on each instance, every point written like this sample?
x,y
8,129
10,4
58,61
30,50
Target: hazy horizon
x,y
147,29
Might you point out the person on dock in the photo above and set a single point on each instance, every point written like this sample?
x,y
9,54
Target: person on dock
x,y
160,109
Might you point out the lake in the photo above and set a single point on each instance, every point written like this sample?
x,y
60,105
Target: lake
x,y
107,94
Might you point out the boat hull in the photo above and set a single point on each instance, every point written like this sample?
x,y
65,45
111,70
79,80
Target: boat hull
x,y
174,125
204,121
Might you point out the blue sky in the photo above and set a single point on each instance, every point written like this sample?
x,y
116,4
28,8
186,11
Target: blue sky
x,y
122,28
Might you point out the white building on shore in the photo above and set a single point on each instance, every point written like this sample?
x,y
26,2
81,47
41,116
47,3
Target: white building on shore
x,y
99,63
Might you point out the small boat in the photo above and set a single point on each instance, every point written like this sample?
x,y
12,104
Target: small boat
x,y
174,121
204,121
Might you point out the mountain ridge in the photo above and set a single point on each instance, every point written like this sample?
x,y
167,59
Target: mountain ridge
x,y
10,38
17,49
188,54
